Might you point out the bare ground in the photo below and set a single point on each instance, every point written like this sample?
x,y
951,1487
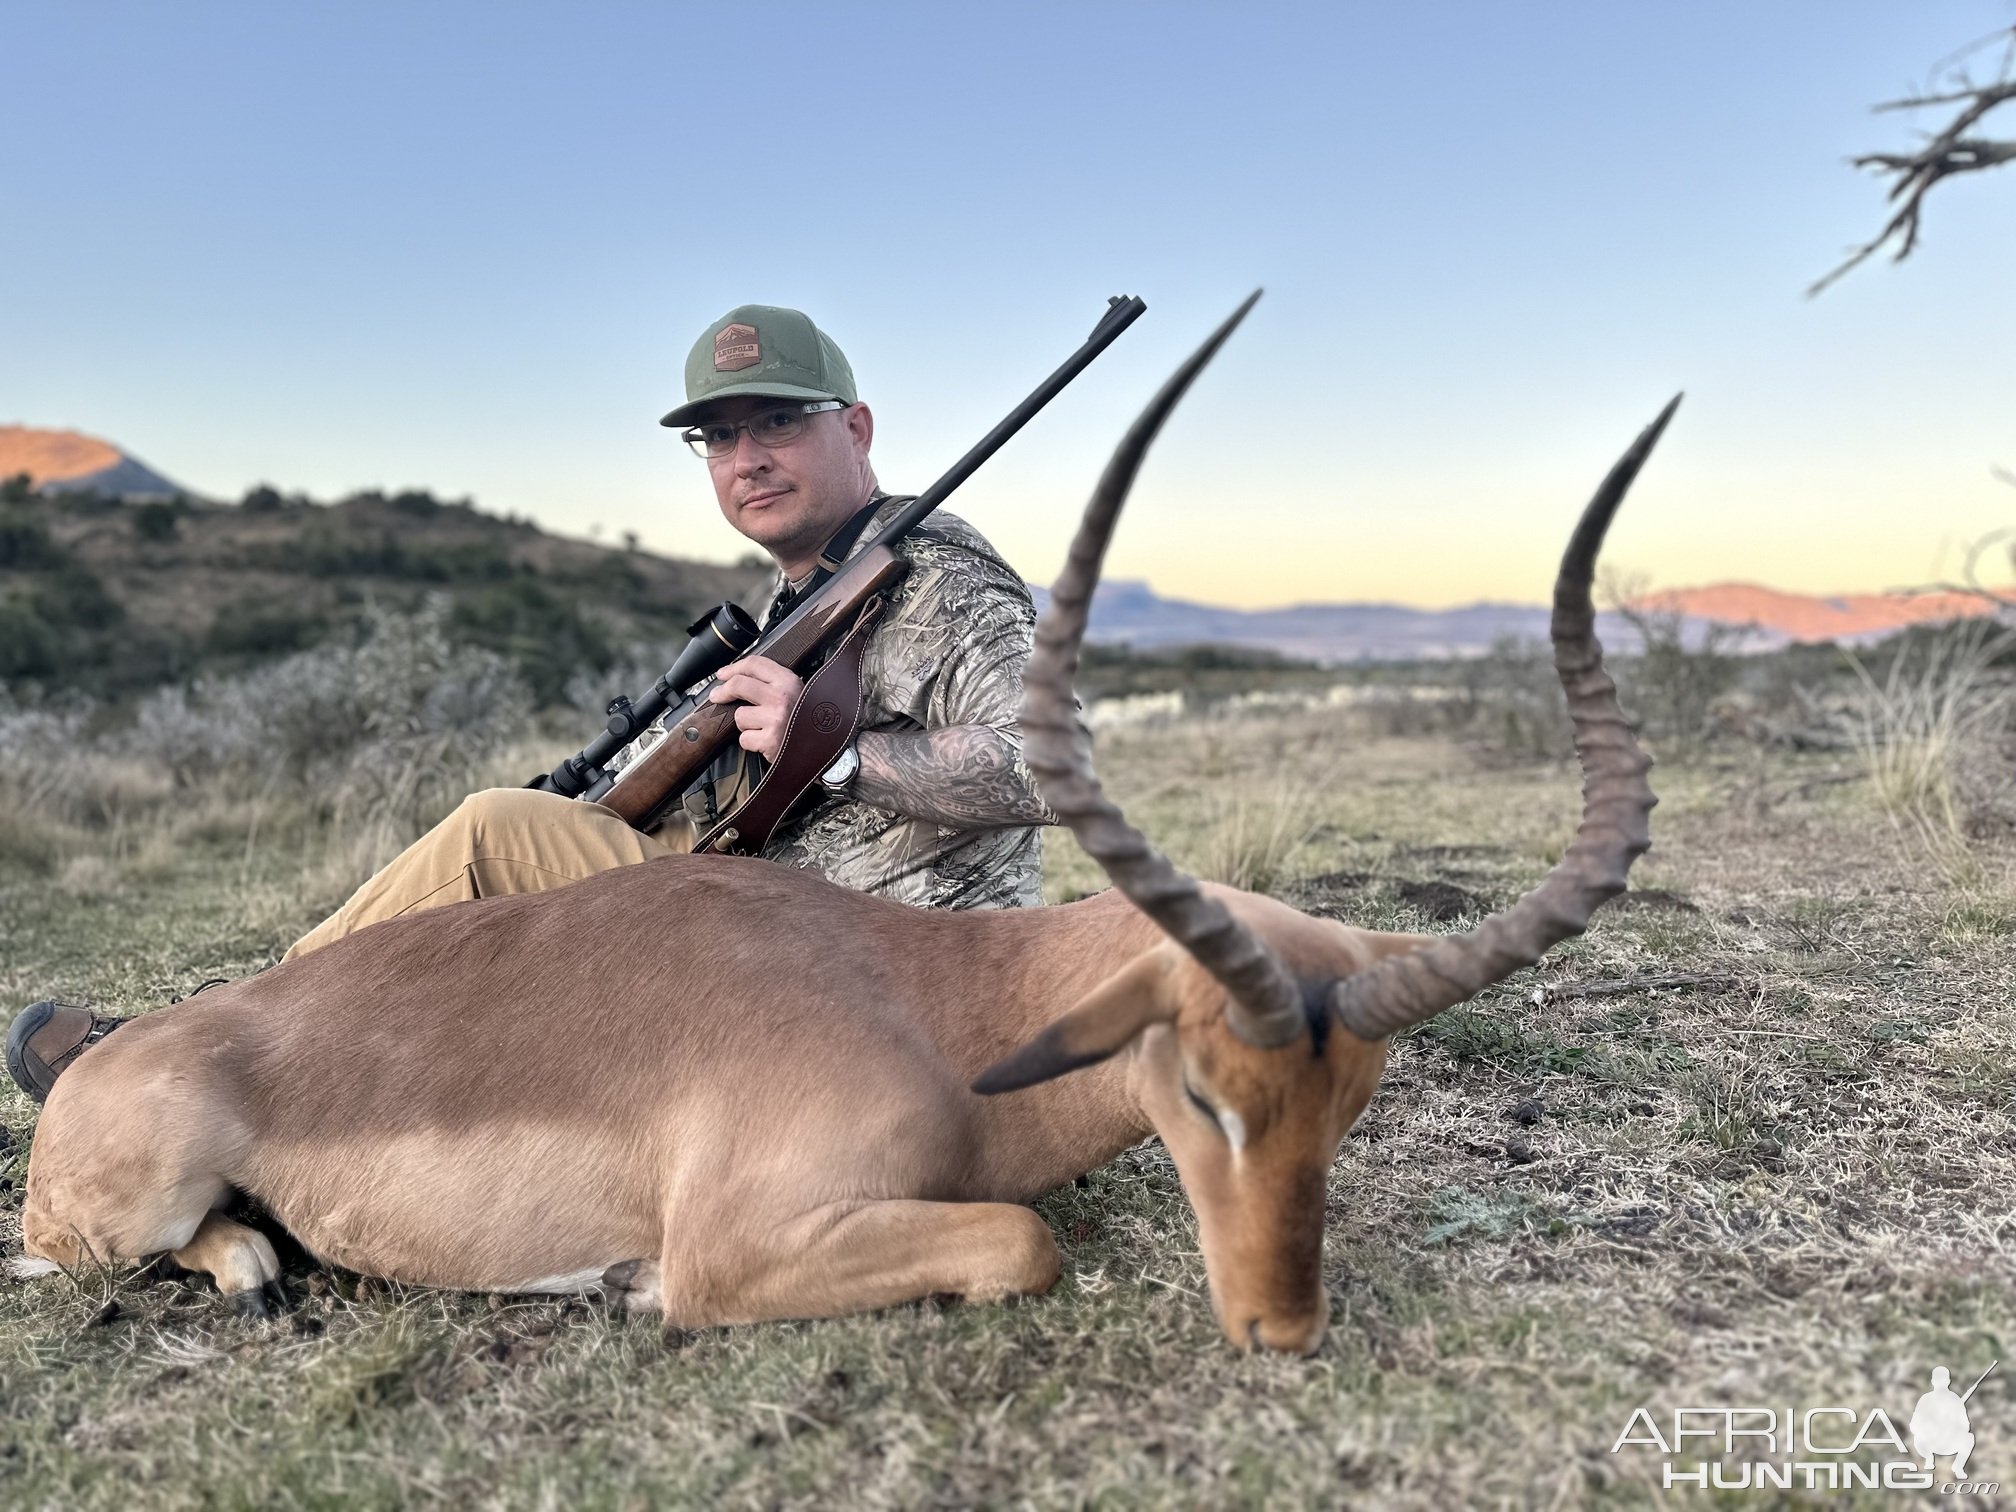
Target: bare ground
x,y
1788,1185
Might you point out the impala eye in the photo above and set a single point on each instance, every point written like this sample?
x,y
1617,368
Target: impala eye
x,y
1201,1106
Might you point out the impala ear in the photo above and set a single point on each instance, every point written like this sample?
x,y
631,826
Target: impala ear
x,y
1103,1022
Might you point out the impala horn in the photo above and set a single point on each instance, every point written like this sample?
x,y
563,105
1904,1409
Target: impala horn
x,y
1616,812
1265,1007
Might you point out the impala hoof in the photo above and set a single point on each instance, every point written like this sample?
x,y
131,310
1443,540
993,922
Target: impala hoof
x,y
263,1301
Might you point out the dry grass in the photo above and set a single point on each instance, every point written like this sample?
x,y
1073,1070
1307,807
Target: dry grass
x,y
1940,709
1794,1191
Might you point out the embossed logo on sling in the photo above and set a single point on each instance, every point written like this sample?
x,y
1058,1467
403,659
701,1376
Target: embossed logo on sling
x,y
827,718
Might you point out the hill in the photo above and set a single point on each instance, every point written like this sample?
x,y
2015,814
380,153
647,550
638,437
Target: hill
x,y
68,461
1845,617
113,595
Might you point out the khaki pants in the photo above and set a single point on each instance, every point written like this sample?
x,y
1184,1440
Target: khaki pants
x,y
503,840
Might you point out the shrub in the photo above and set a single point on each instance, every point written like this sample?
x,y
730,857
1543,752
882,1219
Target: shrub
x,y
1510,700
155,520
1933,735
1671,686
396,710
253,629
25,544
546,638
1251,832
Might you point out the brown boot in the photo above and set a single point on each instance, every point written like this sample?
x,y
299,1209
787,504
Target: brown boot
x,y
46,1037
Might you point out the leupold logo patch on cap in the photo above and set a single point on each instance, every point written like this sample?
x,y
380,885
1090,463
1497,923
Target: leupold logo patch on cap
x,y
735,348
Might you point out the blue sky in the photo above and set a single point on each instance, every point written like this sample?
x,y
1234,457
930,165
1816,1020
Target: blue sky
x,y
467,247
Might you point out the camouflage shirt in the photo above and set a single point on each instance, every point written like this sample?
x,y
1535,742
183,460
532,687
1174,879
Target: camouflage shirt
x,y
949,651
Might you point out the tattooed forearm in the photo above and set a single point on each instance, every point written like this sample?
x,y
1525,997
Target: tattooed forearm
x,y
963,776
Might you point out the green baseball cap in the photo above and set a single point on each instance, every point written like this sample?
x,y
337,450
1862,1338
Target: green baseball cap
x,y
767,352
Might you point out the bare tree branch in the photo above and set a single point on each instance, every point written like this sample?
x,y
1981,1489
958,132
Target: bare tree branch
x,y
1951,151
1970,571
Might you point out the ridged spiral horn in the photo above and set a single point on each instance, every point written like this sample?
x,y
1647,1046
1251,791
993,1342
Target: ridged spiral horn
x,y
1617,805
1265,1004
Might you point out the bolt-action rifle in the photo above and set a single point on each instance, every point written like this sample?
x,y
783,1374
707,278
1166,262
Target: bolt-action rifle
x,y
841,603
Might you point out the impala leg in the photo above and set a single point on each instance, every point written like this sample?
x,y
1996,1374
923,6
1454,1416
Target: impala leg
x,y
877,1254
240,1261
126,1165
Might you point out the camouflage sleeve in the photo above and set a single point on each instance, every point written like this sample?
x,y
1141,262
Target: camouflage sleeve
x,y
959,633
958,639
980,681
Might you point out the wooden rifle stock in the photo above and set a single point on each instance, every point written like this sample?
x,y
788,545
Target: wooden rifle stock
x,y
697,731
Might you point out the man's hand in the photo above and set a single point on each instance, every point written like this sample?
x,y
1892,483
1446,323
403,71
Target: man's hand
x,y
767,691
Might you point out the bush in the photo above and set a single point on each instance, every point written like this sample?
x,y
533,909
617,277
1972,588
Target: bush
x,y
547,639
155,521
1511,700
57,631
251,629
1934,734
25,544
1671,686
329,550
404,693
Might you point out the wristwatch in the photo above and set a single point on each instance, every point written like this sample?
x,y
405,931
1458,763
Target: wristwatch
x,y
839,777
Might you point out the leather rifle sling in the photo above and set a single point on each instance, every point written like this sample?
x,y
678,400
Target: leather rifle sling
x,y
733,775
823,720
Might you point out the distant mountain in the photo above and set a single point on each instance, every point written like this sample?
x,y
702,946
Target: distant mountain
x,y
68,461
1798,616
1133,613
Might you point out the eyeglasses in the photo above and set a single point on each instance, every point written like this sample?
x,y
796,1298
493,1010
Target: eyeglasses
x,y
773,427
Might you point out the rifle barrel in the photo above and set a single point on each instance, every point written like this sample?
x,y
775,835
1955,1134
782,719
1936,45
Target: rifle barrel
x,y
1980,1378
1122,311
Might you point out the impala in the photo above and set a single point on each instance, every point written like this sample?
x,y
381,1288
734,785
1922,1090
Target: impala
x,y
775,1098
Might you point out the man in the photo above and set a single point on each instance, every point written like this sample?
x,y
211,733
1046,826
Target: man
x,y
1939,1423
931,805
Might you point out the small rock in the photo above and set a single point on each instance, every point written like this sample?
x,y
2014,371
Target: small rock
x,y
1527,1111
1518,1152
